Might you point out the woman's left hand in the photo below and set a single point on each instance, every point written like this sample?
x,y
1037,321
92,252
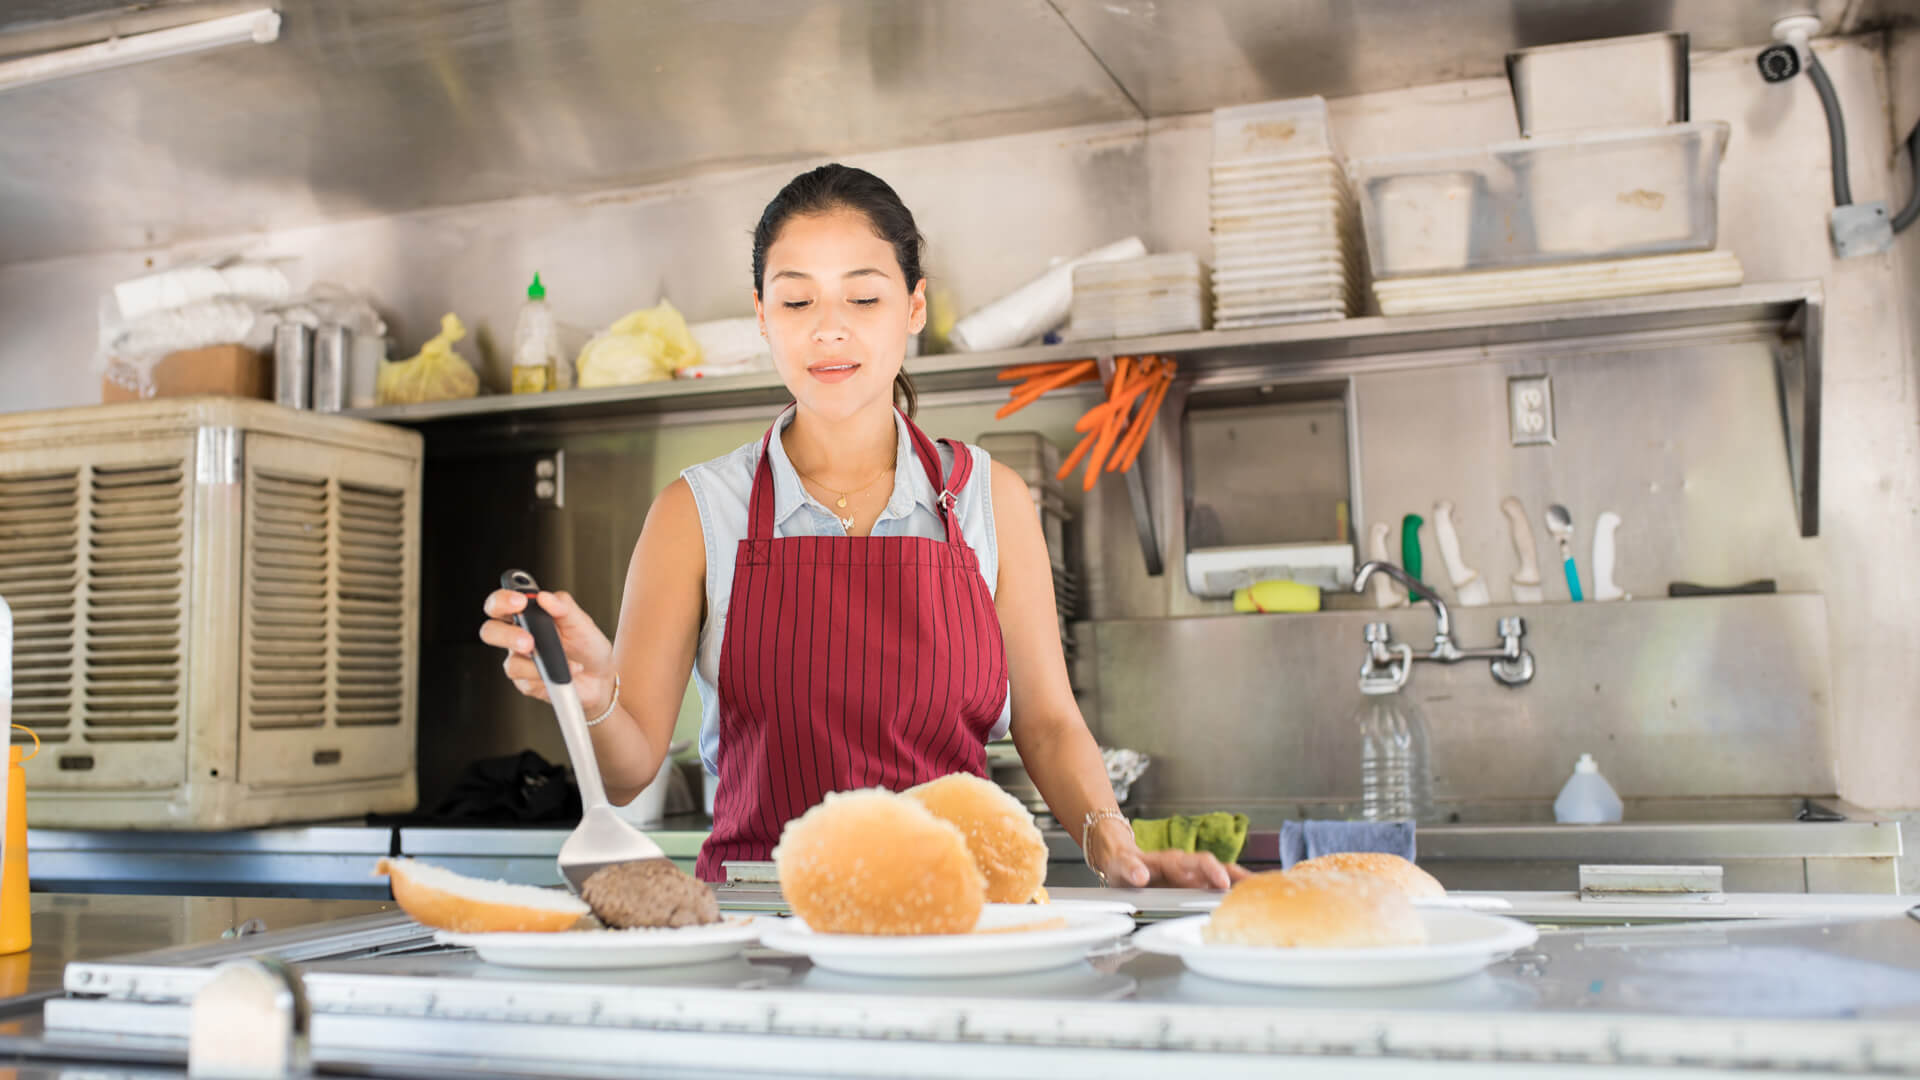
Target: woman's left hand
x,y
1117,856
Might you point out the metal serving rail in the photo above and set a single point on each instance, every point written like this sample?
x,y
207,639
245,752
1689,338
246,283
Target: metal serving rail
x,y
1765,845
1834,991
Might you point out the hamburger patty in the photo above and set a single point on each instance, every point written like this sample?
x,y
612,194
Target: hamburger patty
x,y
653,893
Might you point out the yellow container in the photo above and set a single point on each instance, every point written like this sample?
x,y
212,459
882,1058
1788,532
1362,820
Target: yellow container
x,y
16,921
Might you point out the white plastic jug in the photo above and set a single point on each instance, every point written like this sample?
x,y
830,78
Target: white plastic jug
x,y
1587,798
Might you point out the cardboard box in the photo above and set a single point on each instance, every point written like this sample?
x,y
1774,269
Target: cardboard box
x,y
229,370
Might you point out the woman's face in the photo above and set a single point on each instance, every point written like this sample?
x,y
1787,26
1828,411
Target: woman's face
x,y
836,312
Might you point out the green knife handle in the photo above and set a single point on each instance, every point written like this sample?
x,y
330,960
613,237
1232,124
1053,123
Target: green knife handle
x,y
1410,550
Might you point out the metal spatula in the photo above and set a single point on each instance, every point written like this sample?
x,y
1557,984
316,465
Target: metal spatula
x,y
601,838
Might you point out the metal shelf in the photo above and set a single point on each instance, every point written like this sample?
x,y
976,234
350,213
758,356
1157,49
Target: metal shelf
x,y
1788,311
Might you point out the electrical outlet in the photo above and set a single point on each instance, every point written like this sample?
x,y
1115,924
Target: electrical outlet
x,y
550,479
1530,410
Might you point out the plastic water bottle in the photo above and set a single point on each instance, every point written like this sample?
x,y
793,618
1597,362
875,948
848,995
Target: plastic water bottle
x,y
1396,779
1587,798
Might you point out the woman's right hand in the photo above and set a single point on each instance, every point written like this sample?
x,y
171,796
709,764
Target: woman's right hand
x,y
589,653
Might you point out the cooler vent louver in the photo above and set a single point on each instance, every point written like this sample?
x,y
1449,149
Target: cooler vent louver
x,y
287,595
136,544
370,619
40,577
325,566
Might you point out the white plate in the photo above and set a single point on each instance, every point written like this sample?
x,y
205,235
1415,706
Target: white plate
x,y
1459,943
1455,901
942,956
601,949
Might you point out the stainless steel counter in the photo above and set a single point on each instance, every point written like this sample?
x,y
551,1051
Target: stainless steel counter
x,y
69,928
1763,844
1832,994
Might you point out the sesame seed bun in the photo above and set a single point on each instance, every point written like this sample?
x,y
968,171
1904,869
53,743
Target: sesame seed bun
x,y
873,862
1005,843
1328,910
1396,871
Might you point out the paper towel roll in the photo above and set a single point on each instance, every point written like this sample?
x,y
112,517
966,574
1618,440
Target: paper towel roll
x,y
1033,308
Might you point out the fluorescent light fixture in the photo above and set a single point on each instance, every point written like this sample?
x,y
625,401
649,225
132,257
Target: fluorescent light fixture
x,y
258,27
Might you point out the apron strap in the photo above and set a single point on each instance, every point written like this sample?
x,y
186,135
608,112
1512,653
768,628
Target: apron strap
x,y
760,504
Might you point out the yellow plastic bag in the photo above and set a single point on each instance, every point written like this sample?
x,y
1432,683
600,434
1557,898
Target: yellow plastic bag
x,y
435,373
645,346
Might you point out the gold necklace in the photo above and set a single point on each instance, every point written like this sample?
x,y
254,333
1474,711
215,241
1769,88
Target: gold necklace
x,y
841,503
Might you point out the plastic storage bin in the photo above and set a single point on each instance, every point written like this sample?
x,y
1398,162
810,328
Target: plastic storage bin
x,y
1270,129
1613,83
1525,203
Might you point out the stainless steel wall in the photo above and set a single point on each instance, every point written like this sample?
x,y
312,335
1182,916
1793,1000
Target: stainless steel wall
x,y
1674,698
1683,444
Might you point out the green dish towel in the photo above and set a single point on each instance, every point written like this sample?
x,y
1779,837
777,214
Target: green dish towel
x,y
1221,833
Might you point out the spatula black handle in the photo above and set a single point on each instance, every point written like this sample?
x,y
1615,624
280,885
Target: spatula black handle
x,y
547,652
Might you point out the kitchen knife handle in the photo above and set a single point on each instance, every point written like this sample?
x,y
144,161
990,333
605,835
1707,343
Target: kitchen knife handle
x,y
1443,530
1604,587
1385,593
548,655
1410,551
1523,547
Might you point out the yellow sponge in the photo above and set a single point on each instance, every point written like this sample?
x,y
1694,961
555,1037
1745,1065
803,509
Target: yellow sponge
x,y
1272,596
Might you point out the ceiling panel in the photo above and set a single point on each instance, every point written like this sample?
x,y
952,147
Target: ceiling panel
x,y
383,106
1182,56
379,106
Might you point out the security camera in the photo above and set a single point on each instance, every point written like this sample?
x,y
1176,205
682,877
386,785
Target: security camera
x,y
1778,63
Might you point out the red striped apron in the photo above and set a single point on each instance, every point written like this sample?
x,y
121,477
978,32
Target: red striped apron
x,y
849,662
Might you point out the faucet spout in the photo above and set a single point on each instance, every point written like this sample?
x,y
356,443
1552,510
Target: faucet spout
x,y
1443,621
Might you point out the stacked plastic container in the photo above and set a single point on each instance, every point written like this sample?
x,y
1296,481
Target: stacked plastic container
x,y
1285,226
1156,294
1612,193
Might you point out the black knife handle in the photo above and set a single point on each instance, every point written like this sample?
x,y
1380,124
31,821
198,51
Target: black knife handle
x,y
547,652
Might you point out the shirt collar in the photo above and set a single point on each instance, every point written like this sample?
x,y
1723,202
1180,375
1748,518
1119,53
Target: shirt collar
x,y
910,484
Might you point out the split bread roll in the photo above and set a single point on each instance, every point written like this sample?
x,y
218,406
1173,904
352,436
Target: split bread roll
x,y
1396,871
873,862
1325,910
1005,843
448,901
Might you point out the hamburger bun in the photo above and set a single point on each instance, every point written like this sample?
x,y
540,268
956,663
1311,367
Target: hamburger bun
x,y
1325,910
873,862
1006,844
448,901
1396,871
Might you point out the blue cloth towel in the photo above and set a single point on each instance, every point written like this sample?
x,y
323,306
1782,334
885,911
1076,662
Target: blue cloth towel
x,y
1312,839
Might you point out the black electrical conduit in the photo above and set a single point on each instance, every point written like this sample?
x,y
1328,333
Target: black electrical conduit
x,y
1837,136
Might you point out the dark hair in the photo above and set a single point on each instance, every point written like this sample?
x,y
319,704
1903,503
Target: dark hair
x,y
842,187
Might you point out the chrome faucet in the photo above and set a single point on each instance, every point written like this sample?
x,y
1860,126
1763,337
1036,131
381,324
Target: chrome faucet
x,y
1511,663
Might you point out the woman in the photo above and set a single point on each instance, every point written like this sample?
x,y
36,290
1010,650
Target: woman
x,y
853,601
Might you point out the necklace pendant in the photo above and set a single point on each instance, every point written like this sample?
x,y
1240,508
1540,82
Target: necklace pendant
x,y
846,523
842,504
